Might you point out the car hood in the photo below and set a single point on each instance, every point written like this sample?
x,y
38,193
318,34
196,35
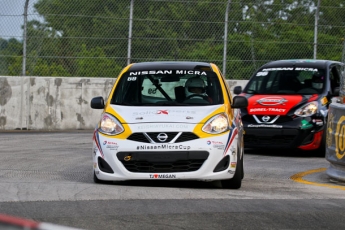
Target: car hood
x,y
169,114
273,104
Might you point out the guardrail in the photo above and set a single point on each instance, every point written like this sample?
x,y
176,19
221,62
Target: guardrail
x,y
335,141
48,103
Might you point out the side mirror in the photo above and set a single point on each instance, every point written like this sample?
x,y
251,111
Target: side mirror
x,y
97,103
238,89
239,102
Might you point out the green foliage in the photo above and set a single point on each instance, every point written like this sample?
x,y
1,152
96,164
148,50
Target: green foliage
x,y
95,62
10,52
90,38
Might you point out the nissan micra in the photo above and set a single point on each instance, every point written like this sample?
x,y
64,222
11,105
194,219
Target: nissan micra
x,y
288,104
169,121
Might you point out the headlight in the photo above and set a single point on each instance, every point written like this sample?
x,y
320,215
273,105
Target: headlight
x,y
307,110
217,124
110,125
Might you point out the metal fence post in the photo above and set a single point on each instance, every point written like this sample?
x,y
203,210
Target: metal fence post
x,y
130,33
226,36
24,36
315,27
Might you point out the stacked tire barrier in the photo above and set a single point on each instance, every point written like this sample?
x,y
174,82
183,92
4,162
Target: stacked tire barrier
x,y
335,142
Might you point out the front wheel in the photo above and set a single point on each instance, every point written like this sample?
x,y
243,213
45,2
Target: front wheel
x,y
95,179
236,181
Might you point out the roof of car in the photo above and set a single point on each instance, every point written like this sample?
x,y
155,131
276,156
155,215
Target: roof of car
x,y
301,63
174,65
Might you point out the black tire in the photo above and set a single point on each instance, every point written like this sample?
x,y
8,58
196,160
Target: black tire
x,y
236,181
95,179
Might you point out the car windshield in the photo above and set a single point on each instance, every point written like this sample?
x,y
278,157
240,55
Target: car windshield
x,y
168,88
287,80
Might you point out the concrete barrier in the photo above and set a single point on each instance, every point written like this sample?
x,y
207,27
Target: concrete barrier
x,y
335,150
48,103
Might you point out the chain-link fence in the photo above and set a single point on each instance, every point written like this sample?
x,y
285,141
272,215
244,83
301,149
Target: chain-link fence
x,y
98,38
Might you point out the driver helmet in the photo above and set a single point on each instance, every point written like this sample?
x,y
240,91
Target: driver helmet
x,y
195,85
317,80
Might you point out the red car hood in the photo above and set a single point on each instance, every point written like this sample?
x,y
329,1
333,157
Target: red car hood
x,y
272,104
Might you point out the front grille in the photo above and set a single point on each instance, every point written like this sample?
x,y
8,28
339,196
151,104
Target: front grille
x,y
139,137
281,119
186,137
178,166
162,162
152,136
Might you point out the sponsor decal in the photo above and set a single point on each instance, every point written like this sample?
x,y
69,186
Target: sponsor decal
x,y
169,112
265,126
162,176
339,136
259,74
279,68
276,110
162,112
152,91
271,101
216,144
94,165
163,147
220,147
162,126
231,171
324,101
272,105
233,164
131,78
150,72
331,119
306,69
110,145
306,125
318,122
291,68
127,158
145,72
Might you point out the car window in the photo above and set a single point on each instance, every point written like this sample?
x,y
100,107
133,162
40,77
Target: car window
x,y
168,87
335,74
287,80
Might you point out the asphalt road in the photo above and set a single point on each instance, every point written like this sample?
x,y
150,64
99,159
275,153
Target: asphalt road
x,y
47,177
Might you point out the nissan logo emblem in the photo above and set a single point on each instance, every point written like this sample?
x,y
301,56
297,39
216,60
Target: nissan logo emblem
x,y
265,118
162,137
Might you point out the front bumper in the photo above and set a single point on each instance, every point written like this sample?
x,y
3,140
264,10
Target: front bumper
x,y
284,135
199,159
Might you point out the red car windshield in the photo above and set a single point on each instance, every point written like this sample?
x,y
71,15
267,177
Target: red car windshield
x,y
287,80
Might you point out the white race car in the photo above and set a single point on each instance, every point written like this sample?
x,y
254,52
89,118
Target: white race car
x,y
169,121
